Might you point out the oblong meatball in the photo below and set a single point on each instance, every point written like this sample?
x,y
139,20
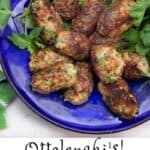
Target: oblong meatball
x,y
86,21
45,17
83,87
73,44
116,19
119,99
66,8
45,58
136,66
107,62
60,76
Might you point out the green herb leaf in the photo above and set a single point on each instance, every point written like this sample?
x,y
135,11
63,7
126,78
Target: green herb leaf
x,y
4,12
2,119
30,42
81,2
6,94
141,49
132,35
147,75
138,11
18,40
35,33
67,25
26,17
2,77
145,35
108,2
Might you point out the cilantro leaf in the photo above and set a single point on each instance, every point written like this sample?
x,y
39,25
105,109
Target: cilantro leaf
x,y
138,11
35,33
4,12
108,2
147,75
67,25
29,41
5,4
26,17
81,2
18,40
2,119
141,49
131,35
2,77
145,35
6,94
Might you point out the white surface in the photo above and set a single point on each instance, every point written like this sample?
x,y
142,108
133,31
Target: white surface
x,y
22,122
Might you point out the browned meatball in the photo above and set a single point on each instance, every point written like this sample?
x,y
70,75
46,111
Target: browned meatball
x,y
136,66
80,92
45,17
45,58
67,8
116,19
119,99
97,39
73,44
86,21
60,76
107,62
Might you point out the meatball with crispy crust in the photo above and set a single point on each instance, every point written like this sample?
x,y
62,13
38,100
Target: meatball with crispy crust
x,y
86,21
119,99
60,76
97,39
80,92
136,66
67,8
116,19
45,58
107,62
73,44
46,18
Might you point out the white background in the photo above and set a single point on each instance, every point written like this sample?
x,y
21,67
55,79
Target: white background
x,y
22,122
74,143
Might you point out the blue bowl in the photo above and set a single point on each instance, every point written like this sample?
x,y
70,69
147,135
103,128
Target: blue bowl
x,y
92,117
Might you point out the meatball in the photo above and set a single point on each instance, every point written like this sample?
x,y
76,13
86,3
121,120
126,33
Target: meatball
x,y
46,18
107,62
86,21
116,19
136,66
73,44
45,58
97,39
119,99
60,76
67,8
80,92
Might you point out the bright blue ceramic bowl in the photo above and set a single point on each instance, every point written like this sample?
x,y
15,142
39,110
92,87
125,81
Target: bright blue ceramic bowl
x,y
92,117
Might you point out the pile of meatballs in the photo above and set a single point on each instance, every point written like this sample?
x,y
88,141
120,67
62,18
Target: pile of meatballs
x,y
72,58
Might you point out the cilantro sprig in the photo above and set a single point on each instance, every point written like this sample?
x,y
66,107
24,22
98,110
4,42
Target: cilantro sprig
x,y
29,40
